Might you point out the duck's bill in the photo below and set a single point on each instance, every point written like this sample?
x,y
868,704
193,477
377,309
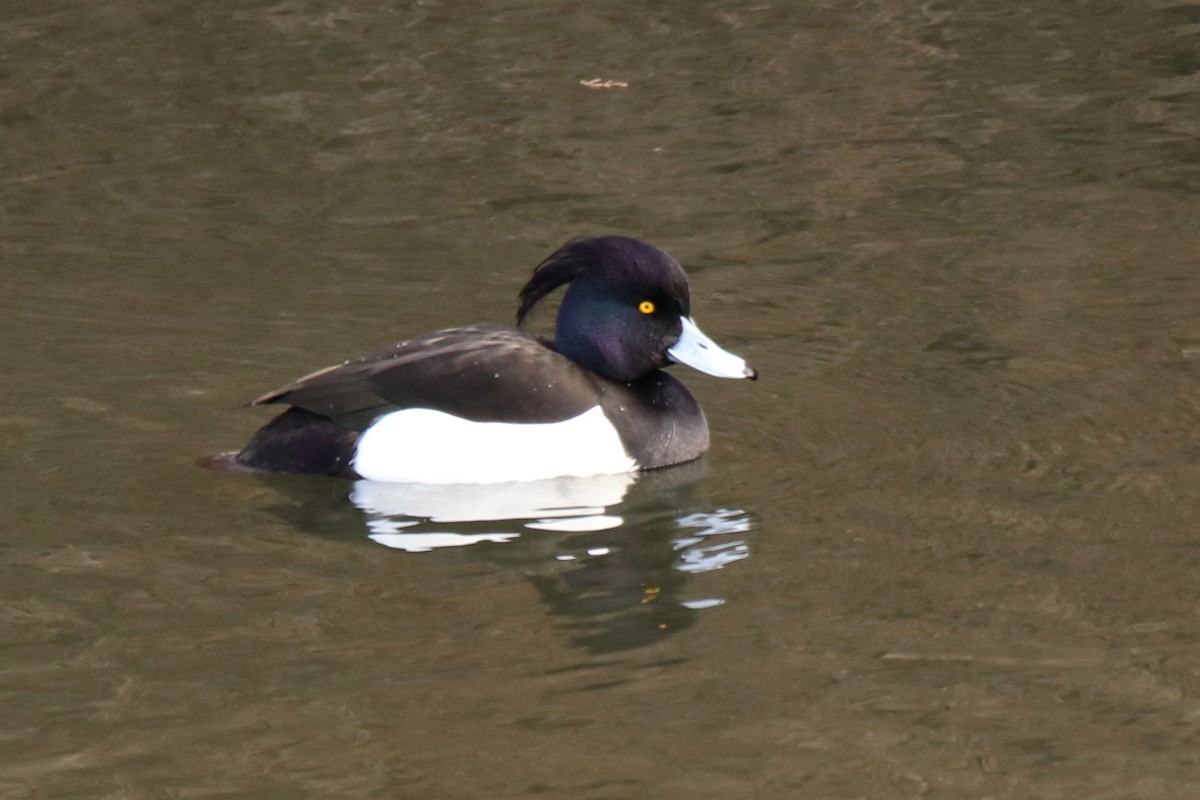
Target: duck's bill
x,y
700,352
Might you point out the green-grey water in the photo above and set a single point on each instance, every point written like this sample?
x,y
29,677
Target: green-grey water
x,y
946,546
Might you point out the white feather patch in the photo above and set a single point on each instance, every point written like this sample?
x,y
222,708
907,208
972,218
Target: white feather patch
x,y
420,445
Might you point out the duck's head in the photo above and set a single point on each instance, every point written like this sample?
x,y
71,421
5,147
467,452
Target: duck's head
x,y
626,311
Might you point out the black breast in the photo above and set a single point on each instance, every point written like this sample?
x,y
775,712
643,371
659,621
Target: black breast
x,y
658,420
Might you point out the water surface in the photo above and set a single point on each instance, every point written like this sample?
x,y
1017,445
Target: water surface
x,y
947,544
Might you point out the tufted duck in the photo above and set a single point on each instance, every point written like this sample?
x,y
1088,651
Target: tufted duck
x,y
488,403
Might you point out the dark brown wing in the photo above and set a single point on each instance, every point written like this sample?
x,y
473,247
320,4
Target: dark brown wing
x,y
482,373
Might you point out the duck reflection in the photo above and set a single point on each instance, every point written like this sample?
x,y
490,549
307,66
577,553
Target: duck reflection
x,y
632,586
559,504
617,557
620,559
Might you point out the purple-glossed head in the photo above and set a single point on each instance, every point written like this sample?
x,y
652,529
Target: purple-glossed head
x,y
626,311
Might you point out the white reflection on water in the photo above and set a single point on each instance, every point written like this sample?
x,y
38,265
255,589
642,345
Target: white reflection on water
x,y
698,553
424,542
567,505
606,529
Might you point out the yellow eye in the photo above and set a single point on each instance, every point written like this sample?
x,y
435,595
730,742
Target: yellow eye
x,y
646,307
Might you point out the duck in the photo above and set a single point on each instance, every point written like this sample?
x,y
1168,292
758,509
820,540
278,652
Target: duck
x,y
491,403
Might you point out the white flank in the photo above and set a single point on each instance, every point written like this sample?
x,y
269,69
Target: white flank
x,y
420,445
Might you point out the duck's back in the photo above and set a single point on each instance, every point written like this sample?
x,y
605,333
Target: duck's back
x,y
467,390
482,373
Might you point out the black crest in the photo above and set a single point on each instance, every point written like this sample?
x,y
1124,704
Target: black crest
x,y
559,268
622,260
